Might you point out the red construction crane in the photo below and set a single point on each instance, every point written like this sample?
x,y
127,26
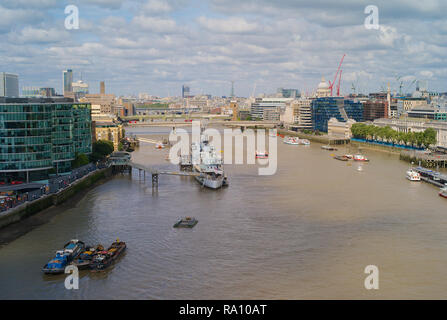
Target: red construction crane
x,y
331,84
338,85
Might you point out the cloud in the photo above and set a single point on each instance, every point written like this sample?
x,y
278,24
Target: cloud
x,y
155,24
111,4
30,35
229,25
156,7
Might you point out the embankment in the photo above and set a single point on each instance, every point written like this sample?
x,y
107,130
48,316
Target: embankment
x,y
29,209
310,137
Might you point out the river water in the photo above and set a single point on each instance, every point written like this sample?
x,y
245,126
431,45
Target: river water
x,y
307,232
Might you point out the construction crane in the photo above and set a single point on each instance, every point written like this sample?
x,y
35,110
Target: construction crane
x,y
331,84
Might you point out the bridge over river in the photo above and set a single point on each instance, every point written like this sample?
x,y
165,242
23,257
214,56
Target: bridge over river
x,y
122,161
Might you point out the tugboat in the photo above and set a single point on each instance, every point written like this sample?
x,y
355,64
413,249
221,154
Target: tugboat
x,y
63,257
85,258
105,258
187,222
443,192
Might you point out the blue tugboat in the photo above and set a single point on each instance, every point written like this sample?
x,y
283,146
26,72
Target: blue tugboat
x,y
63,257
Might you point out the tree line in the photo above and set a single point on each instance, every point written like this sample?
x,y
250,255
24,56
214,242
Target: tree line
x,y
425,138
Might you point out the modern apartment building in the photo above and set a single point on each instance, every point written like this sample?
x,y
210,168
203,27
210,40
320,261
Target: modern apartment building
x,y
39,136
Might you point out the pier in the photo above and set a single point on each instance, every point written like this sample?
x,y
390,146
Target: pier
x,y
436,178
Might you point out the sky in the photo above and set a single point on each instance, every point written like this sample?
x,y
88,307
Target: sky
x,y
156,46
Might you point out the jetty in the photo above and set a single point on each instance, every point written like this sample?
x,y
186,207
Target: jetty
x,y
434,177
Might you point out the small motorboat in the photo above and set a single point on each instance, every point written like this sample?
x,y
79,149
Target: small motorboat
x,y
103,259
291,140
328,147
63,257
443,192
360,157
413,175
349,156
84,260
304,142
187,222
341,158
262,155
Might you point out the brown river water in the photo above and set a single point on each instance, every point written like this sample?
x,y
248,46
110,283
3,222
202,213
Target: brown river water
x,y
307,232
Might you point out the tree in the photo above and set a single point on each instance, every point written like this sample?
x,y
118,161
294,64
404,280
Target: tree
x,y
101,149
79,161
429,137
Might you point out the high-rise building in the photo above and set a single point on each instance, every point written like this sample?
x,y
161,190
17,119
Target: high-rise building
x,y
80,88
268,108
67,81
289,93
323,109
30,92
102,87
42,136
375,109
185,91
9,85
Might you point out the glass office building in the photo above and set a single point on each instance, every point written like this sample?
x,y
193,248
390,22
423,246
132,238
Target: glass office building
x,y
39,136
334,107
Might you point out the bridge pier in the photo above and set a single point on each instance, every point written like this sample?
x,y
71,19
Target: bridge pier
x,y
155,180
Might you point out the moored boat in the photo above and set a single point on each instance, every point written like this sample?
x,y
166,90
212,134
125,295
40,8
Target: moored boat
x,y
443,192
262,155
105,258
349,156
291,140
304,142
63,257
328,147
413,175
187,222
84,260
360,157
341,158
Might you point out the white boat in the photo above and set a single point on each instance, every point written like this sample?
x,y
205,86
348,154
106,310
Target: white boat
x,y
291,140
443,192
360,157
413,175
262,155
304,142
208,164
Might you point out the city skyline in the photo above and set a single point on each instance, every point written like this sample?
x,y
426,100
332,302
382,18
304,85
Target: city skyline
x,y
157,46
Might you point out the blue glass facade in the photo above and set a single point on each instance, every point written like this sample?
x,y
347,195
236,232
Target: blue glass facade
x,y
354,110
39,135
323,109
326,108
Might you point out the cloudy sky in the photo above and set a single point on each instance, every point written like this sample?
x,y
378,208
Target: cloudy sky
x,y
155,46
